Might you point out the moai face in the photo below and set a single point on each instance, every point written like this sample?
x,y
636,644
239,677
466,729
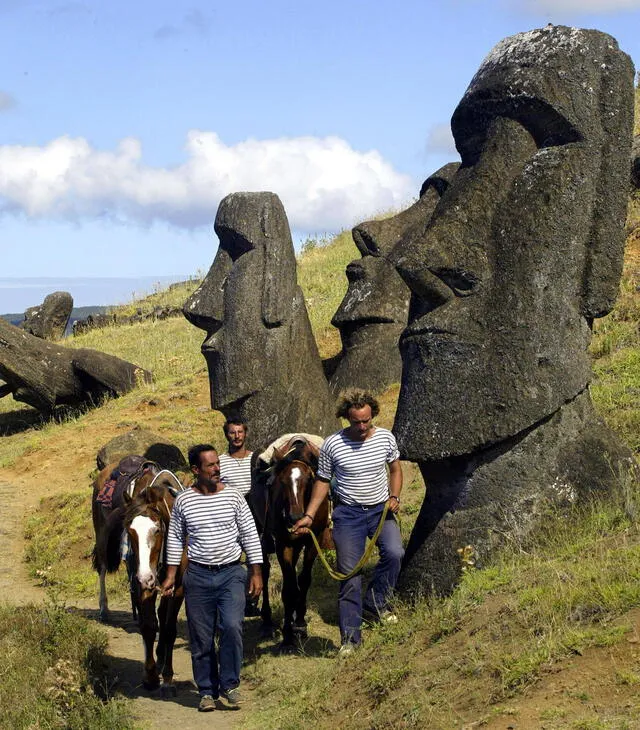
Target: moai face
x,y
246,297
374,310
523,250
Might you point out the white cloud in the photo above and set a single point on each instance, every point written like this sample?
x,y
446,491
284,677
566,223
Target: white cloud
x,y
578,6
440,140
323,183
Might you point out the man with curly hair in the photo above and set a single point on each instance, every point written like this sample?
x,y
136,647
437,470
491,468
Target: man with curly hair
x,y
356,459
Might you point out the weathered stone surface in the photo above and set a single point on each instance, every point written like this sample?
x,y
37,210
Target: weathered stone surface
x,y
49,320
495,497
374,310
263,361
635,162
522,252
146,443
46,375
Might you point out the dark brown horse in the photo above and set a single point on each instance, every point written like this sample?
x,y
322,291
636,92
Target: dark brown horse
x,y
130,475
146,521
290,491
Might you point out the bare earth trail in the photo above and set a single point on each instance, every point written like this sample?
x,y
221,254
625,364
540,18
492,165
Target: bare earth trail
x,y
125,645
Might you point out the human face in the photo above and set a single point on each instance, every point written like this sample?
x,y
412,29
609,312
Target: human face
x,y
236,435
208,472
360,423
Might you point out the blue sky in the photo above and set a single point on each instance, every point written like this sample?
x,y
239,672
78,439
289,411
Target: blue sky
x,y
123,124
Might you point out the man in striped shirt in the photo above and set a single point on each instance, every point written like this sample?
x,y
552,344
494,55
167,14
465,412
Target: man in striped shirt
x,y
357,458
215,524
235,466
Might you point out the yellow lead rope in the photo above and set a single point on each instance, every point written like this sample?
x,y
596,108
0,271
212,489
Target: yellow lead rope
x,y
336,575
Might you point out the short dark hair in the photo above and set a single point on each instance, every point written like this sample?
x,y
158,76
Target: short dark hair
x,y
356,399
236,421
195,451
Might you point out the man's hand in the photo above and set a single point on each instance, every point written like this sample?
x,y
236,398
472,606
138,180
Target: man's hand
x,y
255,581
393,503
302,525
168,586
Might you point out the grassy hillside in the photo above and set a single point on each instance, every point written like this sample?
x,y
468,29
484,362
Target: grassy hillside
x,y
544,638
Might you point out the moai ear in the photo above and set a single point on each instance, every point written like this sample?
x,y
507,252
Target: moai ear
x,y
279,278
613,128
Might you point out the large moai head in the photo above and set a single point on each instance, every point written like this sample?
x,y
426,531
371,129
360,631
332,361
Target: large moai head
x,y
374,310
525,247
263,362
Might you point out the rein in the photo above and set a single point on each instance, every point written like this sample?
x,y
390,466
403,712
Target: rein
x,y
337,575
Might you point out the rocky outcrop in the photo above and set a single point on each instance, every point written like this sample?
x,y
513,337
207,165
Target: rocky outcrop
x,y
49,320
113,319
146,443
263,361
522,253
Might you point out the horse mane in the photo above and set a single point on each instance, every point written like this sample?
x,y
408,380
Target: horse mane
x,y
146,499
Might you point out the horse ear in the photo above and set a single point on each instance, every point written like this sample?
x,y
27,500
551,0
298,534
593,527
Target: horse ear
x,y
127,497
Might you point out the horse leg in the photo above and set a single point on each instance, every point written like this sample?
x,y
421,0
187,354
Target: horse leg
x,y
168,620
148,624
103,601
304,582
287,558
267,629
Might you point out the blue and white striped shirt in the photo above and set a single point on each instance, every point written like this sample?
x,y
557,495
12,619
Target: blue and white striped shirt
x,y
359,467
219,527
236,472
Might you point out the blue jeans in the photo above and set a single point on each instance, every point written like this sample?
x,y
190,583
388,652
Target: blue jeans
x,y
215,599
352,524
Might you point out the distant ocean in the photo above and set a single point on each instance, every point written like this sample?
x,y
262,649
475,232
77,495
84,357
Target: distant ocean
x,y
16,294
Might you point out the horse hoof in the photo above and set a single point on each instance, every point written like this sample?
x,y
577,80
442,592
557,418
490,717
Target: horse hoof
x,y
287,648
267,631
104,617
151,684
300,631
168,690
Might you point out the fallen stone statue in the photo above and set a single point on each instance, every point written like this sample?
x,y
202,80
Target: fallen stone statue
x,y
45,375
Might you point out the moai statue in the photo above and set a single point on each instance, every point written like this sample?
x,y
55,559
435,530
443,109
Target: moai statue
x,y
374,310
263,361
523,251
49,319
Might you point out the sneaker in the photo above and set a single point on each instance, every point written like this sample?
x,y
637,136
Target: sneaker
x,y
207,704
346,649
232,696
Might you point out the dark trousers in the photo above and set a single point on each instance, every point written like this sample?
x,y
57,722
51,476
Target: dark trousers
x,y
215,600
352,525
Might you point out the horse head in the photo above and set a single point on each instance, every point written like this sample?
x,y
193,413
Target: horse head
x,y
294,474
146,521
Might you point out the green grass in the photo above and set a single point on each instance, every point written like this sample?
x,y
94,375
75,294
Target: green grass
x,y
52,672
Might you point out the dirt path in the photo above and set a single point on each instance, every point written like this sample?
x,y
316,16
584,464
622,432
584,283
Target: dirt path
x,y
125,645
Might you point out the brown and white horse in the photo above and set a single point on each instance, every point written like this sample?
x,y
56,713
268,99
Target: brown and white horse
x,y
146,521
290,491
108,515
